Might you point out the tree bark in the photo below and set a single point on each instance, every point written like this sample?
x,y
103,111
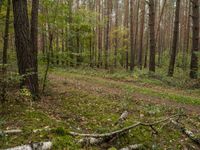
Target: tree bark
x,y
132,56
25,58
175,40
195,40
152,64
99,35
140,60
116,34
109,3
126,36
5,48
34,42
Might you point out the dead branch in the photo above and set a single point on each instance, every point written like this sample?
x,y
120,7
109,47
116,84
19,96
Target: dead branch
x,y
16,131
121,131
132,147
187,132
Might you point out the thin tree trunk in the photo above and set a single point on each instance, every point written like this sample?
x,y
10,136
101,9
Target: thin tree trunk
x,y
175,40
116,34
132,56
99,36
34,41
5,48
146,50
126,36
140,61
109,3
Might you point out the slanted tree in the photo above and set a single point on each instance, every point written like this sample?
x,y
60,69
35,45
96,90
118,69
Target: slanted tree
x,y
175,40
195,40
152,65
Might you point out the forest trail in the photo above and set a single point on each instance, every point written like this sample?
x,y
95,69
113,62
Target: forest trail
x,y
137,92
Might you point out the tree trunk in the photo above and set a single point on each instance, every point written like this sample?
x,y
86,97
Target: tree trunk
x,y
152,67
126,36
99,35
25,57
187,36
34,41
132,56
5,48
70,39
195,40
109,3
116,34
140,61
175,40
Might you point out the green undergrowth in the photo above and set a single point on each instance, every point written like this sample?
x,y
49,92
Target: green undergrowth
x,y
85,111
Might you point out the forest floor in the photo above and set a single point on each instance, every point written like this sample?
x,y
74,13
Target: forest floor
x,y
92,101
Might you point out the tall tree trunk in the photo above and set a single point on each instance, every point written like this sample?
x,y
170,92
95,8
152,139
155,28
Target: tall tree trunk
x,y
34,41
126,36
109,3
146,49
23,46
116,34
136,33
70,39
152,64
5,48
175,40
132,56
187,34
140,60
195,40
99,35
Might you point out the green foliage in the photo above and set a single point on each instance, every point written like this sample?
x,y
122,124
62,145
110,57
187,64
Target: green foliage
x,y
64,142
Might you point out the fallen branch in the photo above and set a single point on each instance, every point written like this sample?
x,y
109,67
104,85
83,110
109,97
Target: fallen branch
x,y
132,147
187,132
114,133
16,131
34,146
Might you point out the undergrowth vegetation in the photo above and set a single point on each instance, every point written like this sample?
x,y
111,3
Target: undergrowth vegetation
x,y
91,101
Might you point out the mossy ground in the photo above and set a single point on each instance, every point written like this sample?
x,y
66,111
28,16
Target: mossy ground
x,y
89,101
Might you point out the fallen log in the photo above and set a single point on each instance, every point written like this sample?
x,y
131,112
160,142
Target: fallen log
x,y
34,146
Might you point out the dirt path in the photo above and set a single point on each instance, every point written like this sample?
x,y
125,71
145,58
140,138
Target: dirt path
x,y
95,86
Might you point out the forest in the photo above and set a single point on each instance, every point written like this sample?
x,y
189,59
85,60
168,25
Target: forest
x,y
99,74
